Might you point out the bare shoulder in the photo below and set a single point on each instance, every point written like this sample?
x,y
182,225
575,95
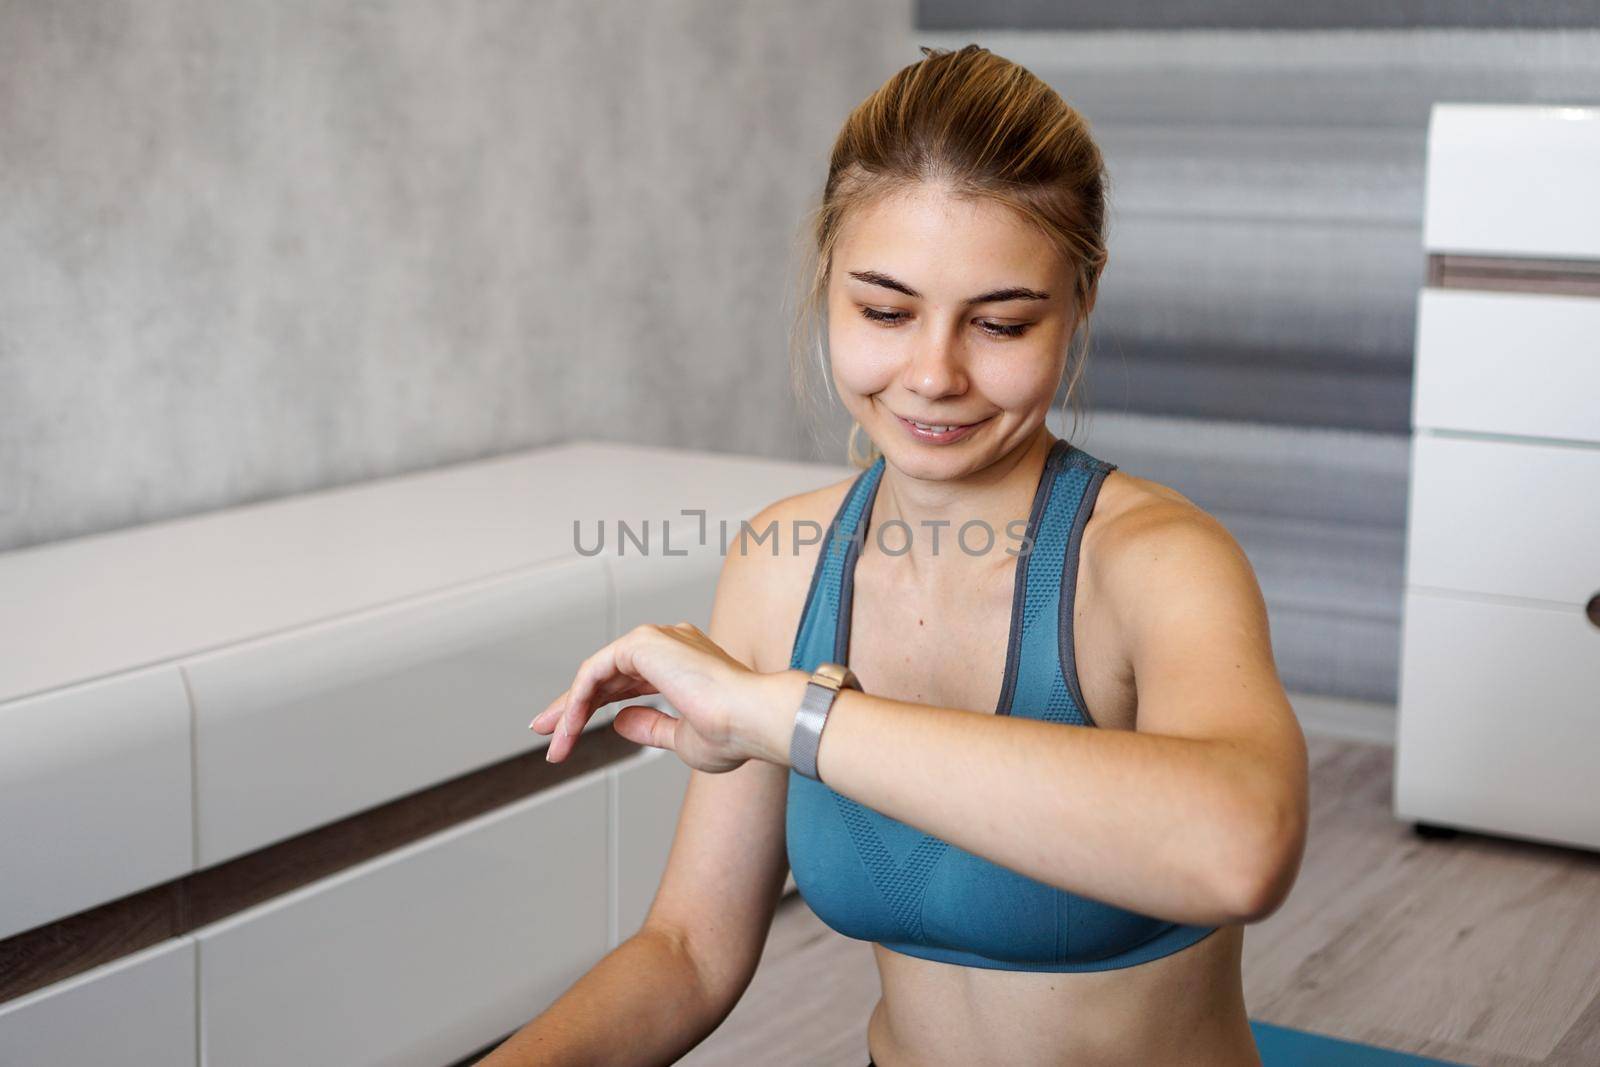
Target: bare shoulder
x,y
766,574
1130,507
1182,601
1148,546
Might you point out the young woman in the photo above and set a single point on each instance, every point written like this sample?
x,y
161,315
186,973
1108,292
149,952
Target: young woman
x,y
1070,774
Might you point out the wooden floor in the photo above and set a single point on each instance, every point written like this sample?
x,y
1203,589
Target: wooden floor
x,y
1474,949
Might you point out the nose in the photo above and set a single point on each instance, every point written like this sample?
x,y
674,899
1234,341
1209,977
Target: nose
x,y
934,369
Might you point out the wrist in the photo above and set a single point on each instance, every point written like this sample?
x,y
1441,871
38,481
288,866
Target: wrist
x,y
772,711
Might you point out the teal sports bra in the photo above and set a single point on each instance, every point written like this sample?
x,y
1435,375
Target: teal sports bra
x,y
874,878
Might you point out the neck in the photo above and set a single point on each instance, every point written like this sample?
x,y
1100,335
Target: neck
x,y
933,512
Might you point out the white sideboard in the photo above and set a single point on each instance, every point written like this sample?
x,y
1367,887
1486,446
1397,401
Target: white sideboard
x,y
1499,717
180,703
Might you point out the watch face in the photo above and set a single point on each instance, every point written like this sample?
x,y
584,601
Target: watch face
x,y
837,675
832,672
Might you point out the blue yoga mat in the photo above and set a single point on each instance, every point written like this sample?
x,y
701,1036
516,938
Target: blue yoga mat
x,y
1282,1047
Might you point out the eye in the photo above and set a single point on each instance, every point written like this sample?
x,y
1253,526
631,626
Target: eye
x,y
993,329
883,316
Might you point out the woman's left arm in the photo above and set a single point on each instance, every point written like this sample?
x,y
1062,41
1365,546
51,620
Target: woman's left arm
x,y
1197,816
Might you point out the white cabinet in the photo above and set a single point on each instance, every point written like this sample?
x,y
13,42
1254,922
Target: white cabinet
x,y
1499,717
422,955
298,730
1513,180
1523,364
94,795
135,1012
666,589
235,679
1512,518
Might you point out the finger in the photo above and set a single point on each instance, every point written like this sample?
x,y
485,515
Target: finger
x,y
608,675
645,725
570,720
592,672
621,689
545,721
569,716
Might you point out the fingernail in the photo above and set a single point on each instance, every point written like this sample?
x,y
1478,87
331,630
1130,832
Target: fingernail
x,y
547,758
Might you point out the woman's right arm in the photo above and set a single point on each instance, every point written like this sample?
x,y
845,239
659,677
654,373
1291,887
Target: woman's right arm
x,y
643,1003
663,990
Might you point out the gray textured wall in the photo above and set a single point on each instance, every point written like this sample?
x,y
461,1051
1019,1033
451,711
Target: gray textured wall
x,y
258,247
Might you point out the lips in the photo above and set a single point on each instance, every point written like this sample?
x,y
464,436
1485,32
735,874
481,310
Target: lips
x,y
938,433
938,426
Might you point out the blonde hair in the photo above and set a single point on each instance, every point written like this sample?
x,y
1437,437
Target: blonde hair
x,y
986,127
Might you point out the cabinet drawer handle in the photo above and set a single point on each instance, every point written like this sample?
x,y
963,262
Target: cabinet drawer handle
x,y
1592,609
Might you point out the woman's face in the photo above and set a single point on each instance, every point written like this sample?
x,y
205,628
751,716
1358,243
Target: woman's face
x,y
946,312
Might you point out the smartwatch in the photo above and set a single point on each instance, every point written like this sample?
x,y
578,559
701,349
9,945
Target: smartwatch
x,y
821,691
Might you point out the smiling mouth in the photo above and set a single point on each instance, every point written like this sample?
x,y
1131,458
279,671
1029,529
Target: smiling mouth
x,y
939,427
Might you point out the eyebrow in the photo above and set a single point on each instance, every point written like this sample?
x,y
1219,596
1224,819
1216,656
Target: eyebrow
x,y
1015,292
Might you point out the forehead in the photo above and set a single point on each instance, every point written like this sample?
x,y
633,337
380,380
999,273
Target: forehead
x,y
934,240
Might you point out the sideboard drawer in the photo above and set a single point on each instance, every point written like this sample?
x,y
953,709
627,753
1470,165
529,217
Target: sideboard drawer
x,y
1507,517
295,731
134,1012
1512,180
1499,717
422,955
1508,363
94,795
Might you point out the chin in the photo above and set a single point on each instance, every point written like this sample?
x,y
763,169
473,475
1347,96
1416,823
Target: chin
x,y
929,461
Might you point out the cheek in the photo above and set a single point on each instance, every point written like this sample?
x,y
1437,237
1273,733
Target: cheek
x,y
1016,378
864,361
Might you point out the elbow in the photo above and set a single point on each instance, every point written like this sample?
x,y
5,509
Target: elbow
x,y
1255,897
1261,867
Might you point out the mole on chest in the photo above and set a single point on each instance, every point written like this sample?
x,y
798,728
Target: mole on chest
x,y
921,661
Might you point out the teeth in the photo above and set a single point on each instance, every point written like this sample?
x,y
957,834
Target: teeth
x,y
933,429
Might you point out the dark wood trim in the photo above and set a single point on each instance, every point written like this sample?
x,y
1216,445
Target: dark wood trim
x,y
1573,277
47,954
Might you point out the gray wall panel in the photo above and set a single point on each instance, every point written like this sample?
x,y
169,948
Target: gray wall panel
x,y
1252,14
1337,655
1297,321
1316,475
1319,512
1264,171
1308,81
1212,381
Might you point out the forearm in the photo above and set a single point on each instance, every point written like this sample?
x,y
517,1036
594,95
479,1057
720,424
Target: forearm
x,y
641,1004
1174,827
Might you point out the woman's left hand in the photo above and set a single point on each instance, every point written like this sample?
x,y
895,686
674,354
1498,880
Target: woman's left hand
x,y
714,694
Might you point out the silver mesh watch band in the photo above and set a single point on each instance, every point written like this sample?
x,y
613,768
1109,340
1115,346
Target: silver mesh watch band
x,y
821,691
